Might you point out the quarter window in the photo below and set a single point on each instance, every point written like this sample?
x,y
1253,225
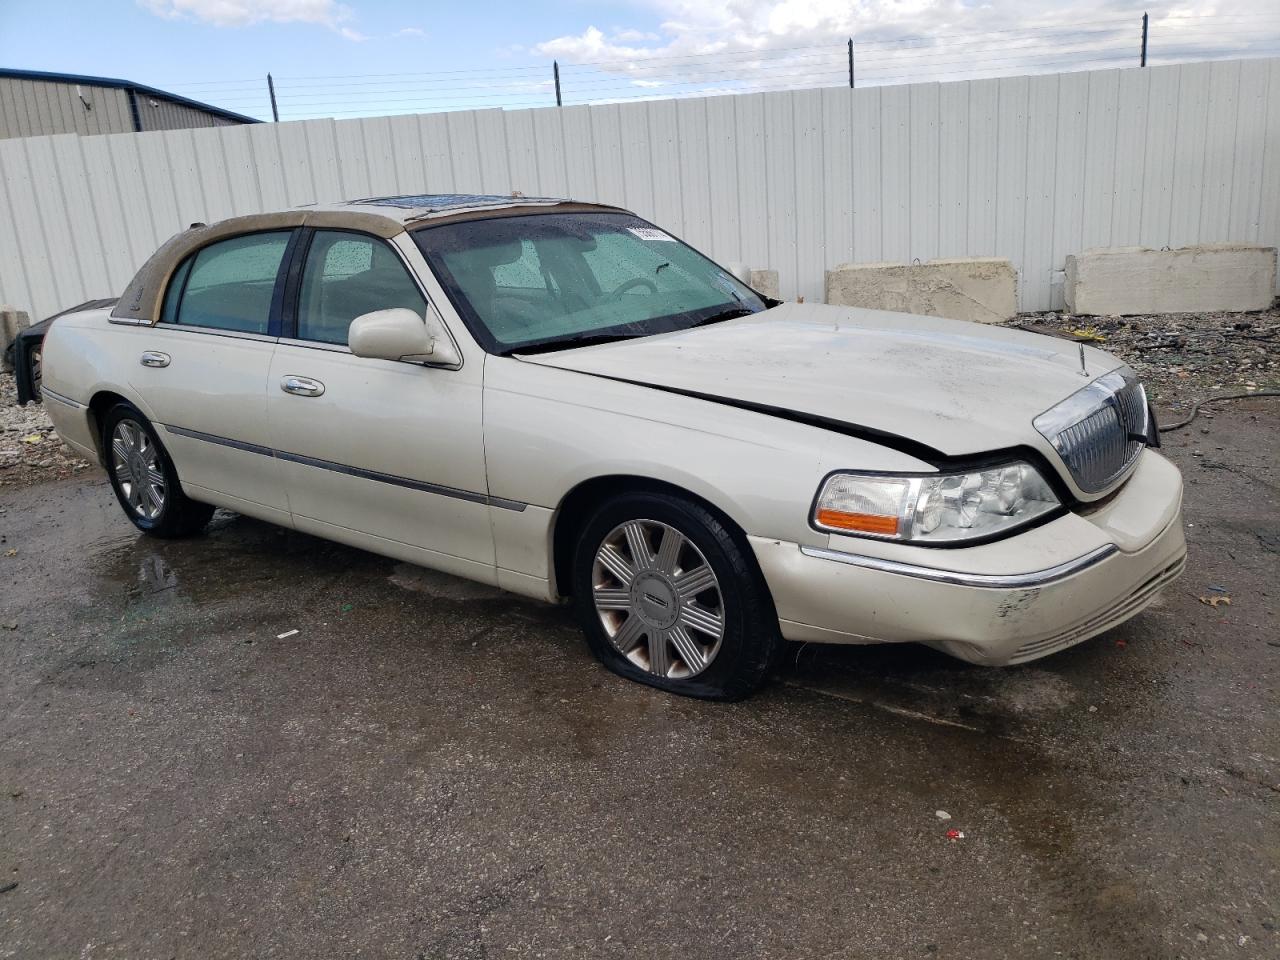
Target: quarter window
x,y
227,285
347,275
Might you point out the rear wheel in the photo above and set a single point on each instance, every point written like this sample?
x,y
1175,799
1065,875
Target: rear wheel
x,y
143,477
669,596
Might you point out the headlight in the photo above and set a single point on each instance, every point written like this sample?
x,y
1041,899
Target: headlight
x,y
935,508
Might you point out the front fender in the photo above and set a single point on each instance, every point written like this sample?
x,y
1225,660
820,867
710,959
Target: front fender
x,y
547,431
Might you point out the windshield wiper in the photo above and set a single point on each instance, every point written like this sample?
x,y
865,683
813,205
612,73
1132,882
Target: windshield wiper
x,y
729,313
591,339
568,343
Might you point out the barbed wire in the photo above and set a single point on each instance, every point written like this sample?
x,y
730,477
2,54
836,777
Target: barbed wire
x,y
878,60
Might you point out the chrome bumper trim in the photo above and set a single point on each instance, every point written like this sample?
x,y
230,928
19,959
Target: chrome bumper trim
x,y
1002,581
46,392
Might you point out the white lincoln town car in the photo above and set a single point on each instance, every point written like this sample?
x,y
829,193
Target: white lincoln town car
x,y
567,402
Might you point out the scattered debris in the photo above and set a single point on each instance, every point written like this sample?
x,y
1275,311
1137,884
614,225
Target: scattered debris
x,y
9,886
1182,357
1215,600
1122,644
11,552
287,634
11,625
942,815
348,607
30,450
955,834
1093,709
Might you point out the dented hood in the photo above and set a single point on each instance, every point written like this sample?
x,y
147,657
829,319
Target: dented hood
x,y
958,388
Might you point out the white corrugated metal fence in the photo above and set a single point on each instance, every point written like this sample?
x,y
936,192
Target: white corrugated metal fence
x,y
1028,168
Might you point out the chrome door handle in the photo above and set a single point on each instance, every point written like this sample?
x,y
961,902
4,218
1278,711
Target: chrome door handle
x,y
154,358
302,386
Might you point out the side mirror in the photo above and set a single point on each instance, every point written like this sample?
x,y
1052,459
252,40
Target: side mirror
x,y
400,334
739,270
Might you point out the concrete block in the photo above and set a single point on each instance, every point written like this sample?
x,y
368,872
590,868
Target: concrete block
x,y
984,289
766,282
1137,280
12,321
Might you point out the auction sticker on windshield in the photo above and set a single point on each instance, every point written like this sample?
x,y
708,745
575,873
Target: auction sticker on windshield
x,y
649,233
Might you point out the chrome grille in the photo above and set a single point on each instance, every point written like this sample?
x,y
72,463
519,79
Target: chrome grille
x,y
1100,430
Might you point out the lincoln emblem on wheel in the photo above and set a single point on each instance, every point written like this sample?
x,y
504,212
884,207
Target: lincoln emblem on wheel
x,y
568,402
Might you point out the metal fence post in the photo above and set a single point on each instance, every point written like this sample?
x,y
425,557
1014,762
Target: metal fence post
x,y
555,71
851,63
1143,63
271,89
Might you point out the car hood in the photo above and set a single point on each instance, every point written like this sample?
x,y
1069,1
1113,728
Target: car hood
x,y
958,388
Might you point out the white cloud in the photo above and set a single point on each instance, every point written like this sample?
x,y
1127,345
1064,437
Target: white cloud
x,y
410,32
634,36
591,44
244,13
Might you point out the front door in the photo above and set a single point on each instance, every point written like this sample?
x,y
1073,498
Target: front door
x,y
382,454
202,370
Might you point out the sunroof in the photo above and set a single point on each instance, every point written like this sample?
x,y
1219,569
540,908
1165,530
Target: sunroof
x,y
440,201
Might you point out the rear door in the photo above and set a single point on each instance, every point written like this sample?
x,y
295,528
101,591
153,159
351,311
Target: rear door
x,y
203,368
384,454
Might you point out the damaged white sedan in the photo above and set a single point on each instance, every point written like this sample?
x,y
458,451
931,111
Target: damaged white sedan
x,y
565,401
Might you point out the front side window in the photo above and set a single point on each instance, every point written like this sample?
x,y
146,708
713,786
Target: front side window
x,y
346,275
547,281
227,285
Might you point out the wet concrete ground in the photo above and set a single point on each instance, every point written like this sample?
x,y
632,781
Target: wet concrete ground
x,y
430,769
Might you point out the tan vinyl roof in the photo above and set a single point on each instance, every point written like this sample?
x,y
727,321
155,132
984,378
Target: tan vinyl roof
x,y
384,217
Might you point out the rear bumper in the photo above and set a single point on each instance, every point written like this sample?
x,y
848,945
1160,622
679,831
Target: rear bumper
x,y
1092,573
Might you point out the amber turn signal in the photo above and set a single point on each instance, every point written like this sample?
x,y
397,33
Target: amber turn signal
x,y
858,522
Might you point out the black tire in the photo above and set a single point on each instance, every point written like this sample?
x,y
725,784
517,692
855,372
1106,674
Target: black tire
x,y
178,516
750,642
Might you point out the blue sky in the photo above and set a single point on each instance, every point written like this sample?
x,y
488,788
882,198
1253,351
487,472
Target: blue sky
x,y
367,57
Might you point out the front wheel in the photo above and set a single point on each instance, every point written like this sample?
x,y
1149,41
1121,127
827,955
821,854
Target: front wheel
x,y
669,596
143,477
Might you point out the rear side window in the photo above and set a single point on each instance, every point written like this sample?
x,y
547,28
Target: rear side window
x,y
346,275
227,285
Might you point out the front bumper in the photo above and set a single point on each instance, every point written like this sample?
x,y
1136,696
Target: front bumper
x,y
1000,603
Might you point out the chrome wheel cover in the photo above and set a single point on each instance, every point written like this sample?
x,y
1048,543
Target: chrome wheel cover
x,y
135,461
658,599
